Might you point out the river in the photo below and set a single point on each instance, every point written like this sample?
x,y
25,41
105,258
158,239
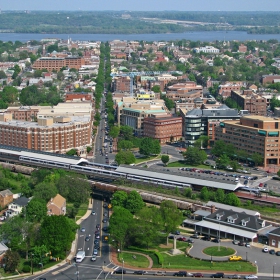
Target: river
x,y
204,36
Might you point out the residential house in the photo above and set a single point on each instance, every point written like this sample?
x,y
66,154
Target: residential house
x,y
16,207
6,197
57,205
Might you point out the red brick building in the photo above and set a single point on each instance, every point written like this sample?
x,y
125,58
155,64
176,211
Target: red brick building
x,y
78,96
121,84
6,197
164,128
23,113
269,78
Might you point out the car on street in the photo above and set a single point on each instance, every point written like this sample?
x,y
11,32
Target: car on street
x,y
93,212
265,250
93,258
180,274
97,232
218,275
206,238
160,273
235,242
95,252
97,236
120,271
96,241
105,228
190,240
97,246
251,276
198,274
278,253
195,235
176,232
235,276
98,226
235,258
87,238
248,245
140,272
241,243
83,229
105,214
104,221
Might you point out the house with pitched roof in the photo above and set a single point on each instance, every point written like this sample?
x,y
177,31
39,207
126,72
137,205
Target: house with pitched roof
x,y
57,205
6,197
16,207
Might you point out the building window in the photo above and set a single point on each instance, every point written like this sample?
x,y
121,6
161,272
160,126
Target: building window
x,y
273,242
256,125
276,125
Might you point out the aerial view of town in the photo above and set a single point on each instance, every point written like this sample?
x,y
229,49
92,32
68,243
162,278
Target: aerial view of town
x,y
139,145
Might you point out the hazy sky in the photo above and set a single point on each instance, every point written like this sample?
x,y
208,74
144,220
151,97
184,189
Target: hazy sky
x,y
143,5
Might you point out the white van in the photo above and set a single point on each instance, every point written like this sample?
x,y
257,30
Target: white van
x,y
80,256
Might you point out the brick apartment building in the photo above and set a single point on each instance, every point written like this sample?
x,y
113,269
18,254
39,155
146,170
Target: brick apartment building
x,y
121,84
250,101
23,113
58,135
184,95
6,197
270,79
78,96
253,134
56,63
162,127
57,205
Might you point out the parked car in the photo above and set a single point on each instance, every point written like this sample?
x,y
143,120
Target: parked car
x,y
195,236
278,253
235,276
182,239
216,240
87,238
206,238
235,258
95,252
198,274
190,240
272,252
235,242
83,229
248,245
251,277
265,250
93,258
241,243
93,212
176,232
218,275
160,273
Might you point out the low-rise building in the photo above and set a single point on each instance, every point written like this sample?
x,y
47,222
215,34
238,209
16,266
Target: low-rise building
x,y
253,134
6,197
163,128
57,205
16,207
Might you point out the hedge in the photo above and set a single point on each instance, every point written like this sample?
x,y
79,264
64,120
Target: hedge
x,y
160,257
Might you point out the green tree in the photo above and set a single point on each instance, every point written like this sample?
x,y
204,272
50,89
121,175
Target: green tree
x,y
2,75
172,217
195,156
202,141
125,145
149,146
12,260
72,152
234,164
257,158
204,194
57,234
165,159
39,255
114,131
45,191
156,89
223,161
36,210
126,132
125,157
120,226
146,226
119,199
232,199
218,148
220,195
134,202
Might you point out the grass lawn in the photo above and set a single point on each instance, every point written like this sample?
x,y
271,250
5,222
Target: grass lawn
x,y
140,261
214,251
185,263
180,163
145,158
82,210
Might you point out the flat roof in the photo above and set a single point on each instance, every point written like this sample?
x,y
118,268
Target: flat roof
x,y
170,176
227,229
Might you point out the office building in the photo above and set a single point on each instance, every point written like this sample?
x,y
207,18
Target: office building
x,y
253,134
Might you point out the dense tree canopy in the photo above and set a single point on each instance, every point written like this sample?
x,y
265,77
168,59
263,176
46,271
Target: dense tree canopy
x,y
149,146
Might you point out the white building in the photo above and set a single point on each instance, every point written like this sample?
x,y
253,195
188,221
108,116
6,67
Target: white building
x,y
206,49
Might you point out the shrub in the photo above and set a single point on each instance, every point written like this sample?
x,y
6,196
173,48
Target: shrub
x,y
160,257
26,268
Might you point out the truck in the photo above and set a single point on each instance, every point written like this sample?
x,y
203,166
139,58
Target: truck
x,y
80,256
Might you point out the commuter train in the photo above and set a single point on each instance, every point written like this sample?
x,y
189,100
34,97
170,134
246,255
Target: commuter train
x,y
82,167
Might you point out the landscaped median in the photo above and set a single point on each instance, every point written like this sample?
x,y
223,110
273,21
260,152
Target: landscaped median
x,y
163,259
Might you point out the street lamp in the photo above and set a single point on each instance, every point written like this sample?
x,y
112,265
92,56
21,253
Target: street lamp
x,y
123,263
77,270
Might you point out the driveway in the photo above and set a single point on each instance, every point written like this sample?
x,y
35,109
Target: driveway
x,y
264,261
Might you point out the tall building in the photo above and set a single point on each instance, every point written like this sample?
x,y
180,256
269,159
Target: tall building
x,y
163,128
199,122
253,134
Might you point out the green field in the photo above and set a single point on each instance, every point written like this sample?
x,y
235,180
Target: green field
x,y
218,251
139,260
